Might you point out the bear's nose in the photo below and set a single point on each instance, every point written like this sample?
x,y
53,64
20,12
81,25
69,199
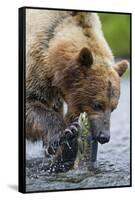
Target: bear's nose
x,y
103,137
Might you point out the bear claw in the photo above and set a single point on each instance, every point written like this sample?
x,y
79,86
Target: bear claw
x,y
70,133
67,130
74,128
76,124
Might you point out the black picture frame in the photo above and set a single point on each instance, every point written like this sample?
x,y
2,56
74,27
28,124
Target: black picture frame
x,y
22,94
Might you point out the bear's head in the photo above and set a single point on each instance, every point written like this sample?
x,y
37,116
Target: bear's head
x,y
90,87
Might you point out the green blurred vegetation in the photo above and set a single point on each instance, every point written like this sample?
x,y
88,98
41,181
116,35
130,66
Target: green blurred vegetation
x,y
116,28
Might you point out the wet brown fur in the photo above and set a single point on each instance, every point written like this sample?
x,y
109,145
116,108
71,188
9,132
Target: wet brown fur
x,y
57,71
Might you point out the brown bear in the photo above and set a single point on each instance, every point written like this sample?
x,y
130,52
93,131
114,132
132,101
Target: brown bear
x,y
68,60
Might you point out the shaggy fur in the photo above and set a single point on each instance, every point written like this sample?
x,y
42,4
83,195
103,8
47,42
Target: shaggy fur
x,y
68,60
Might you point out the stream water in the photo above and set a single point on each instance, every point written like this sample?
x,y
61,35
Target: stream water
x,y
113,160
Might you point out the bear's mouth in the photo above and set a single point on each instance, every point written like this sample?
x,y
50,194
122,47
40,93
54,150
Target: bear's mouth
x,y
102,137
100,128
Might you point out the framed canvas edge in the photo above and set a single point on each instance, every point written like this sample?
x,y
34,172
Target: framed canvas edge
x,y
21,97
21,92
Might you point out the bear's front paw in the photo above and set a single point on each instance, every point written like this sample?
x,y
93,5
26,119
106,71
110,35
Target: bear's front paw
x,y
70,132
66,138
52,148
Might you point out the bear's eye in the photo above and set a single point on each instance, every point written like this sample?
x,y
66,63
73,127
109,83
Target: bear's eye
x,y
97,107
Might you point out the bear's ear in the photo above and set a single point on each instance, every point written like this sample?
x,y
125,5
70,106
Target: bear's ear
x,y
121,67
85,57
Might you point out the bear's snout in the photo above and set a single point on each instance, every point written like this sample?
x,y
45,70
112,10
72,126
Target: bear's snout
x,y
103,137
